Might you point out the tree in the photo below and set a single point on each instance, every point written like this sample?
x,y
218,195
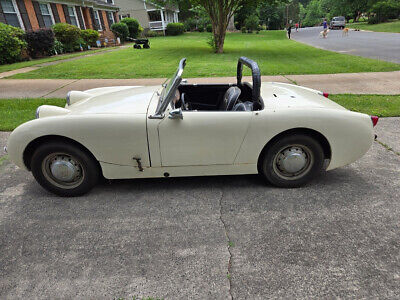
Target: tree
x,y
220,12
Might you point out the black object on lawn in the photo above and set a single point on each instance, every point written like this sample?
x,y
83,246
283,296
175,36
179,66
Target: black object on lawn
x,y
139,42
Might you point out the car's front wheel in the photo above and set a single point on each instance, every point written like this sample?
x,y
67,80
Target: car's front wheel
x,y
292,161
64,169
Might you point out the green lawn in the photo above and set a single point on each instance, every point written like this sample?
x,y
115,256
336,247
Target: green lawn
x,y
377,105
383,27
14,112
274,53
30,63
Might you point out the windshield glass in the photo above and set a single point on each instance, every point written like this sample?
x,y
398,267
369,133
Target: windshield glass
x,y
169,89
168,85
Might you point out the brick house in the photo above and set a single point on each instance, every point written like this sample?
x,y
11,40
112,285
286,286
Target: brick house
x,y
86,14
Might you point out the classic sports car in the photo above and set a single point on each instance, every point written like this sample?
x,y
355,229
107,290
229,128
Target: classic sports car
x,y
285,132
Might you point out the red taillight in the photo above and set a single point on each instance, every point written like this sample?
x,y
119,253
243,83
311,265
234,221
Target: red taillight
x,y
374,120
326,95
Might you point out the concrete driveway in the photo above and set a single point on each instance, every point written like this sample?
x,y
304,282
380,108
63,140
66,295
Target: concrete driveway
x,y
378,45
207,237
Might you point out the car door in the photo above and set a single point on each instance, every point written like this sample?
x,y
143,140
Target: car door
x,y
202,138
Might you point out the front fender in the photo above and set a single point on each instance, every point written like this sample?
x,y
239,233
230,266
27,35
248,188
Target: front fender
x,y
114,139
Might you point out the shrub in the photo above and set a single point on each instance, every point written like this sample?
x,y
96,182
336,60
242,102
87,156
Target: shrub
x,y
200,29
252,23
133,27
90,37
175,29
190,24
40,42
243,29
121,30
209,28
58,47
68,35
11,43
151,33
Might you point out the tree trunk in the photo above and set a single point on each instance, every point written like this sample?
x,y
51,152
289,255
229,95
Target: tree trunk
x,y
219,39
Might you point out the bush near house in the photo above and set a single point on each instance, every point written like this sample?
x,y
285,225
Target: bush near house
x,y
133,26
12,43
40,42
120,30
69,35
175,29
90,37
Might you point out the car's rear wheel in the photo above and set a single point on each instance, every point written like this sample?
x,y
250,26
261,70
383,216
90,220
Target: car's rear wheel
x,y
292,161
64,169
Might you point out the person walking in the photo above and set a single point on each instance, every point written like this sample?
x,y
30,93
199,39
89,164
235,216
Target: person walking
x,y
297,27
325,25
289,31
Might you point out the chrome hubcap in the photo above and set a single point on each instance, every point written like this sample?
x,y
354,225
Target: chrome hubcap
x,y
62,170
293,162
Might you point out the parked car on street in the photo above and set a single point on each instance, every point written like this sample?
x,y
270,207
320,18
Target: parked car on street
x,y
337,22
286,133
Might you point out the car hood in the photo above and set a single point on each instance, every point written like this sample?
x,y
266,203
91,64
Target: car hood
x,y
113,100
282,95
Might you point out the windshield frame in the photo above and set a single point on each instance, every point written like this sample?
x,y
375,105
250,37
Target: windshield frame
x,y
168,92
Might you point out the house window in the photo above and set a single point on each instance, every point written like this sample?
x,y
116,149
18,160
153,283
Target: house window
x,y
154,15
72,16
46,13
97,20
11,13
110,18
110,1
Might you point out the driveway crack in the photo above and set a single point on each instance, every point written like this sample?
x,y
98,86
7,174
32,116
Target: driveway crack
x,y
229,245
387,147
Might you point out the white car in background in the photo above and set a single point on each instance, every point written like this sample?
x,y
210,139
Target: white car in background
x,y
287,133
338,22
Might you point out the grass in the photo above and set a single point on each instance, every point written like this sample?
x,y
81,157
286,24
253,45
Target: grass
x,y
377,105
275,54
14,112
393,26
30,63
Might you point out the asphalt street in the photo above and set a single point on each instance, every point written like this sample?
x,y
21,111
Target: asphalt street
x,y
377,45
207,237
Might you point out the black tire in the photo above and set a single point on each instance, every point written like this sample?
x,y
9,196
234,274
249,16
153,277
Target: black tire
x,y
82,162
305,147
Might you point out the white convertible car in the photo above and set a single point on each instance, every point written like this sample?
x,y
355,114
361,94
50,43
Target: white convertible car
x,y
285,132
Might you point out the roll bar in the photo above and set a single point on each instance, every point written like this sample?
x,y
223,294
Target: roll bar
x,y
256,74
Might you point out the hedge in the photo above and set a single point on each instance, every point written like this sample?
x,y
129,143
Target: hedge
x,y
12,43
40,42
175,29
90,37
69,35
133,27
120,30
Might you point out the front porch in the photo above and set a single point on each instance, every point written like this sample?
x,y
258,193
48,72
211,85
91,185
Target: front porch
x,y
160,18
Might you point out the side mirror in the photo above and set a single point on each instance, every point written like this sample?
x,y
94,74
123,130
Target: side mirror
x,y
176,114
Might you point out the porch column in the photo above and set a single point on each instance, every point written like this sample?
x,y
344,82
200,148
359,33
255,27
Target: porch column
x,y
162,20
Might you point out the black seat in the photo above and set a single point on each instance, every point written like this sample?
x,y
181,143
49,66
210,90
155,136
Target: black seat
x,y
243,106
230,98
